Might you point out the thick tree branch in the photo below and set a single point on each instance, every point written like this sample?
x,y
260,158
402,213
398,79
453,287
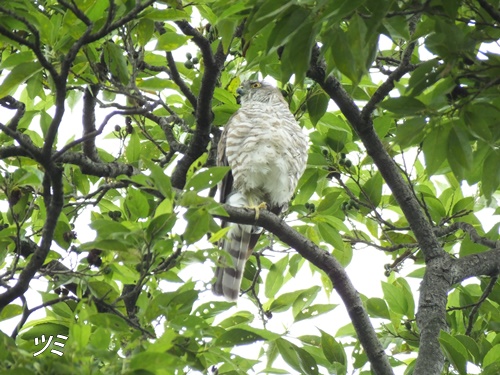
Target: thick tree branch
x,y
87,165
213,66
490,9
24,141
54,205
481,264
435,286
374,147
326,262
88,121
92,168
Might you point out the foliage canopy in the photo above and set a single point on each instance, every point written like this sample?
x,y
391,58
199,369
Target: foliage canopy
x,y
401,103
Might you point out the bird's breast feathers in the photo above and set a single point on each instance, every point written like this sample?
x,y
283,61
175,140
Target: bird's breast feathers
x,y
267,153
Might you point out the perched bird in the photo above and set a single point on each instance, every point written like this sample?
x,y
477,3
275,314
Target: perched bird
x,y
266,150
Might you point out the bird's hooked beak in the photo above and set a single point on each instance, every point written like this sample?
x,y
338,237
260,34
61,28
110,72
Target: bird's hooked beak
x,y
240,91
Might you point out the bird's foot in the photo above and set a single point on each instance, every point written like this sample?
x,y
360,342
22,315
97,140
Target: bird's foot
x,y
261,206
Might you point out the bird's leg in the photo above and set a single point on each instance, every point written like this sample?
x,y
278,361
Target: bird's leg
x,y
256,207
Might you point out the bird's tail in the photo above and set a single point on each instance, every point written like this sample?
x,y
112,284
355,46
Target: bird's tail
x,y
229,274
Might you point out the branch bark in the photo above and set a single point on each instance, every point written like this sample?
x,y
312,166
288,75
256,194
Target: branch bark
x,y
213,63
431,317
326,262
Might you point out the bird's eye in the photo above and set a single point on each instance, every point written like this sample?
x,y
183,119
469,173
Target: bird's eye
x,y
256,85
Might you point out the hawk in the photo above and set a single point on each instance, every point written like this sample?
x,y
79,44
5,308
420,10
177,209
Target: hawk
x,y
266,150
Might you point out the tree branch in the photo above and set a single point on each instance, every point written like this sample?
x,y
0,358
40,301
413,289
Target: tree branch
x,y
11,103
213,66
326,262
431,317
481,264
475,309
490,9
175,76
54,203
88,121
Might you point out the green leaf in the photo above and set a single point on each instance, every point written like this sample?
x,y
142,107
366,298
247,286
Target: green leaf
x,y
373,189
459,152
10,311
160,226
317,104
404,106
136,203
224,96
454,351
167,15
109,321
297,358
161,179
116,62
313,311
47,329
397,27
237,336
206,178
145,30
287,300
16,59
226,28
18,75
170,41
377,308
331,235
304,299
493,369
411,132
286,27
434,152
342,55
472,347
108,228
492,356
332,349
490,179
275,277
133,149
296,60
104,291
264,14
198,221
395,298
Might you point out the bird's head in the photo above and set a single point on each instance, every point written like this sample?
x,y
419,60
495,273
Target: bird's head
x,y
258,91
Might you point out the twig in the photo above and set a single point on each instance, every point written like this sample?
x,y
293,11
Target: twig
x,y
475,309
11,103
